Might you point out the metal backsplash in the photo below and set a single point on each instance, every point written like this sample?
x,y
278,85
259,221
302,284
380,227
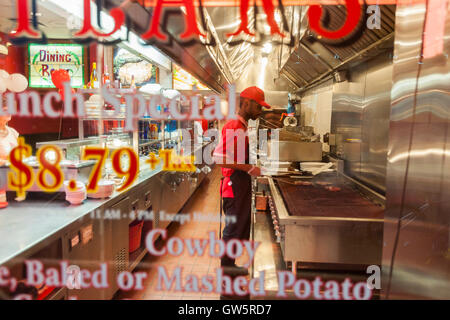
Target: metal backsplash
x,y
360,118
375,122
347,109
416,256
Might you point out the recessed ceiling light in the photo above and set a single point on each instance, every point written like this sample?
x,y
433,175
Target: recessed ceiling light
x,y
14,31
267,47
277,17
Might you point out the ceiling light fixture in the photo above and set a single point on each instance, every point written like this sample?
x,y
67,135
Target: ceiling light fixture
x,y
267,48
277,16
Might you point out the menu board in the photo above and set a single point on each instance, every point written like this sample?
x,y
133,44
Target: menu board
x,y
183,80
43,59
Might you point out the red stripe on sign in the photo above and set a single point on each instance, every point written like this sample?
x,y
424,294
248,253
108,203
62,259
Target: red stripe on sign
x,y
433,41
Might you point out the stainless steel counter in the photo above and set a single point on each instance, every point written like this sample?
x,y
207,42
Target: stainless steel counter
x,y
269,259
351,241
25,224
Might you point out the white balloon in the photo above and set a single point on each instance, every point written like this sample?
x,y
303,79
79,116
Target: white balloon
x,y
2,85
4,74
17,82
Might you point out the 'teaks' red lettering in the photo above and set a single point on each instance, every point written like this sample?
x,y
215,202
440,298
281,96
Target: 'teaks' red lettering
x,y
23,14
314,16
268,9
116,13
351,22
191,21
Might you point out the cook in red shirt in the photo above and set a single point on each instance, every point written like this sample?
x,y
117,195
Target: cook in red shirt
x,y
232,155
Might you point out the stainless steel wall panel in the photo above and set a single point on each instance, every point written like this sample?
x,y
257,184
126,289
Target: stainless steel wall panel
x,y
346,119
405,66
375,122
360,118
316,106
416,261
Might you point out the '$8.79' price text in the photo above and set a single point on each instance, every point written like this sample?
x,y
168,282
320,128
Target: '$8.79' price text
x,y
22,177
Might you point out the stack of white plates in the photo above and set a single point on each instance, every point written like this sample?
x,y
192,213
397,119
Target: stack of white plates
x,y
76,196
277,164
105,189
315,166
92,108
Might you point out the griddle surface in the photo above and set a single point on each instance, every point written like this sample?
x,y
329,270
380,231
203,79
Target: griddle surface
x,y
316,201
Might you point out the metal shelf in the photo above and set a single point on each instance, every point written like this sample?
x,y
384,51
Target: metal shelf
x,y
150,143
151,119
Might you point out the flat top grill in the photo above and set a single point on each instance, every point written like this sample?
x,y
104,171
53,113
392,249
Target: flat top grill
x,y
316,201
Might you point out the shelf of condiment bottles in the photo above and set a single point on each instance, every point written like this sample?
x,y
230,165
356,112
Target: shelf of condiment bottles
x,y
153,141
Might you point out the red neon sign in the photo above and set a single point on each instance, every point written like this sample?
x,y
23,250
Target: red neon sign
x,y
351,22
269,10
191,21
24,28
315,11
117,14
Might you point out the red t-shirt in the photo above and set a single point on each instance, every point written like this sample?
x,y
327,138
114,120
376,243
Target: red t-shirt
x,y
233,145
204,125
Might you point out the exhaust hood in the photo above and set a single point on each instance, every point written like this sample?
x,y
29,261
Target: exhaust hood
x,y
313,61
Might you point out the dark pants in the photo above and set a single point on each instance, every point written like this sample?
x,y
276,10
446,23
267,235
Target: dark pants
x,y
239,207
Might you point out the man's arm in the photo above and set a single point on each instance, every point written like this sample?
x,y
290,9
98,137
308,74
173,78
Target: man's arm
x,y
250,169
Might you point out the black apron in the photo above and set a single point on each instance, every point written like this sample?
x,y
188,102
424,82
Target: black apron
x,y
240,208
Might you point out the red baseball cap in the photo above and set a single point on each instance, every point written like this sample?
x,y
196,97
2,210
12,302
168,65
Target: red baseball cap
x,y
255,94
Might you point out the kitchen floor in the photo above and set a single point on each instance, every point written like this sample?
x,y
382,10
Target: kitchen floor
x,y
205,200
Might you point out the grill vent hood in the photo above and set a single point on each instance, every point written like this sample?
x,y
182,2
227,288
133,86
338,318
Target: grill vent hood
x,y
313,61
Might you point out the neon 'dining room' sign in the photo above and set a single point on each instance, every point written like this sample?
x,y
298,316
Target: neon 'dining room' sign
x,y
45,58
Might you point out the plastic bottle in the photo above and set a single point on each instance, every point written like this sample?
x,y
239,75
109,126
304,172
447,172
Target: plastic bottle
x,y
133,82
94,77
106,80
